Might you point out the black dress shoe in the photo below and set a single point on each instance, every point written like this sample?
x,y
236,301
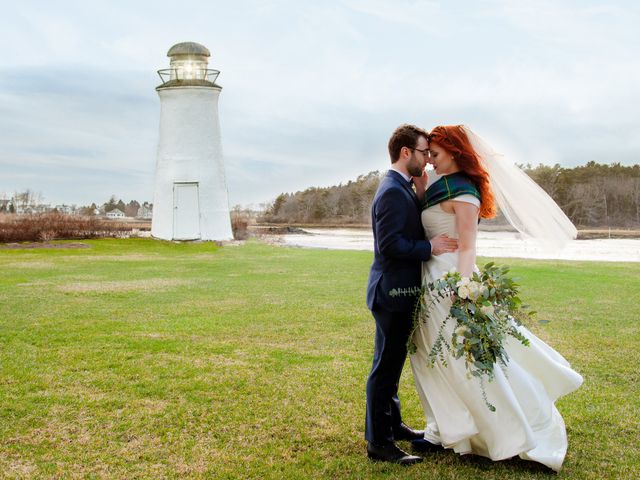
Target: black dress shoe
x,y
422,446
403,432
390,453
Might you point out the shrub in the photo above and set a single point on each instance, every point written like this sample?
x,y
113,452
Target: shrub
x,y
240,224
56,226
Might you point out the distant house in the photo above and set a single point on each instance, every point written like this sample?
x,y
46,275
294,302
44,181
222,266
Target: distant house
x,y
24,210
145,212
42,208
32,209
66,209
115,213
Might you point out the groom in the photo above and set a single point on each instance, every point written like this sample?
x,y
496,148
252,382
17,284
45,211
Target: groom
x,y
399,249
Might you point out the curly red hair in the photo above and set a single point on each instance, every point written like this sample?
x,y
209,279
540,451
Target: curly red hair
x,y
455,141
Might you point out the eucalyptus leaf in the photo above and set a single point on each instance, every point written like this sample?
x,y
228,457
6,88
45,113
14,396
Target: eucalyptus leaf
x,y
481,343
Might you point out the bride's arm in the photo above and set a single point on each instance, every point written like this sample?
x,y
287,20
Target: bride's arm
x,y
467,225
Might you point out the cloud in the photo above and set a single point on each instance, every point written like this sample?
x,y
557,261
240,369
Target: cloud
x,y
422,14
311,91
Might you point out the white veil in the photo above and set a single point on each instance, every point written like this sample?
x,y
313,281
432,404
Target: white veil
x,y
525,205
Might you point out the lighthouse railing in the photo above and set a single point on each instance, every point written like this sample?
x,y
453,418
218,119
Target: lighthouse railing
x,y
185,75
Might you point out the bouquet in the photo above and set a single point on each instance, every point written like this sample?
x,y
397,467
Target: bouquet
x,y
485,308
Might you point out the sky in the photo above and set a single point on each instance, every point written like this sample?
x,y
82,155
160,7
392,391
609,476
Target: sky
x,y
311,90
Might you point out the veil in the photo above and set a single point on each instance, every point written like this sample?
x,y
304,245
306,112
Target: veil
x,y
525,205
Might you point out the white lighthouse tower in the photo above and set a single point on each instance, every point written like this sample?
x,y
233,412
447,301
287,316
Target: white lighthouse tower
x,y
190,198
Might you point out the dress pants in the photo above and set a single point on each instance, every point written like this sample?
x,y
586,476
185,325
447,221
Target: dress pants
x,y
390,353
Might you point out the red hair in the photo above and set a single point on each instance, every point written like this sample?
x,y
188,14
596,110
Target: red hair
x,y
455,141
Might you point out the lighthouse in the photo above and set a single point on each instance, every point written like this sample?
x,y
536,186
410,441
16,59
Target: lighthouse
x,y
190,199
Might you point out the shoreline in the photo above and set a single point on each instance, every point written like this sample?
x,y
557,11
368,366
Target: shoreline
x,y
491,244
298,228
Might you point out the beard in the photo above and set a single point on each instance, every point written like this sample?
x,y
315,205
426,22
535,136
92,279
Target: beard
x,y
414,167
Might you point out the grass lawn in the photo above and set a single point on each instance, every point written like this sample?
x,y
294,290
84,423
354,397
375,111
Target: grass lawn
x,y
147,359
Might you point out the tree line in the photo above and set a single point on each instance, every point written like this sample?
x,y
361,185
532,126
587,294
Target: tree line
x,y
591,195
129,209
30,201
341,204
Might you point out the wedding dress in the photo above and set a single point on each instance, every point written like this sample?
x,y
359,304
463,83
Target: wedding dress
x,y
526,421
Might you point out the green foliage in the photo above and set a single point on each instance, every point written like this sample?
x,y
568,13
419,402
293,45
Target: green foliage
x,y
485,308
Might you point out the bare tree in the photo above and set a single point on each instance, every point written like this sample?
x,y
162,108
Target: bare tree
x,y
27,198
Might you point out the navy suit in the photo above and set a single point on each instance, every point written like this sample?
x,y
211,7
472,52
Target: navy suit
x,y
399,249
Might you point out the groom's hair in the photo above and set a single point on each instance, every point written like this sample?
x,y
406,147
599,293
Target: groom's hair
x,y
404,136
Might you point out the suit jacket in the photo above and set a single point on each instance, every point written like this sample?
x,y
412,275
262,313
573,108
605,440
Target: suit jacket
x,y
399,244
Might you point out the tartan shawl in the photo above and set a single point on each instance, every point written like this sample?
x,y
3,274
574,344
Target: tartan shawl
x,y
448,187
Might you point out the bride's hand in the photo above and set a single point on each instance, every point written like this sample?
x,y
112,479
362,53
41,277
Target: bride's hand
x,y
421,184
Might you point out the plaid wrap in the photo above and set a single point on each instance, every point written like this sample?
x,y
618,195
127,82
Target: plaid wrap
x,y
448,187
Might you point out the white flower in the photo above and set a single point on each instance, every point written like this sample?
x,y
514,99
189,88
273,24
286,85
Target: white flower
x,y
487,309
460,330
453,271
474,290
464,282
484,289
463,292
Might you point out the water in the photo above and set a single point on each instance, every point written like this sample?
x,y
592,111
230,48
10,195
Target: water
x,y
490,244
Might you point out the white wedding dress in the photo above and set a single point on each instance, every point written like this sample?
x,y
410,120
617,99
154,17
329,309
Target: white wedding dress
x,y
526,421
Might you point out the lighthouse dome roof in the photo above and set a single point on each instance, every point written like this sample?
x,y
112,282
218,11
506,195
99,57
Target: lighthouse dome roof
x,y
188,48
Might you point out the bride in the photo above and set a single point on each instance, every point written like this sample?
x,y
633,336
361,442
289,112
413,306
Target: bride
x,y
471,181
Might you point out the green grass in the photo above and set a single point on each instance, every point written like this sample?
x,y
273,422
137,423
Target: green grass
x,y
147,359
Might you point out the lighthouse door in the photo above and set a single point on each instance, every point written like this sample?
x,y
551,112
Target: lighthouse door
x,y
186,211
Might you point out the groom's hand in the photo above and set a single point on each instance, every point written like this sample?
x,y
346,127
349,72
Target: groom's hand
x,y
443,244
